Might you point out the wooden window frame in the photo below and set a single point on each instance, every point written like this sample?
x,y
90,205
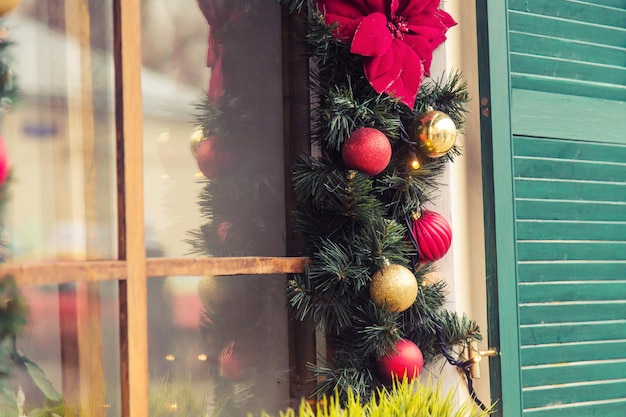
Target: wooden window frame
x,y
132,268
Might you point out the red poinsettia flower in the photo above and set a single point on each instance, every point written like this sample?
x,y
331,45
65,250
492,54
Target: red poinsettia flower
x,y
396,37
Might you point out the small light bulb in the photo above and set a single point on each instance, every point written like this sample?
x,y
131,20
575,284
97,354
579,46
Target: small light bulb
x,y
414,162
202,357
170,358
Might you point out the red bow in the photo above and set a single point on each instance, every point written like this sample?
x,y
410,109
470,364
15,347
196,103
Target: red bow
x,y
217,14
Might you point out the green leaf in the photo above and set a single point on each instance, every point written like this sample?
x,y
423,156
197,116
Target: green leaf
x,y
8,402
6,362
40,379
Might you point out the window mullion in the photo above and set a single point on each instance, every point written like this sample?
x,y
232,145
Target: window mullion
x,y
133,291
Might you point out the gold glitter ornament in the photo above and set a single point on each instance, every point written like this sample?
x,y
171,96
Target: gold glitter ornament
x,y
393,288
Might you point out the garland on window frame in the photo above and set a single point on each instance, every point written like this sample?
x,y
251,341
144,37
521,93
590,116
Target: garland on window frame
x,y
369,65
383,129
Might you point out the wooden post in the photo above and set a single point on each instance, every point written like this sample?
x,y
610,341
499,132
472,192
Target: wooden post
x,y
133,291
81,136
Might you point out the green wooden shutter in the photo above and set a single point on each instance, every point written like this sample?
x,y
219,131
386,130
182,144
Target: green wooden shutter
x,y
567,79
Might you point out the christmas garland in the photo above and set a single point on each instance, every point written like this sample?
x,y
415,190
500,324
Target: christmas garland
x,y
385,134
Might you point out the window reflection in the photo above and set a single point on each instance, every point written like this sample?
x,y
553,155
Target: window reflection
x,y
215,187
72,335
220,340
60,135
214,143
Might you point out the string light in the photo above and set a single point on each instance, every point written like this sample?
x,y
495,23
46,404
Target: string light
x,y
413,161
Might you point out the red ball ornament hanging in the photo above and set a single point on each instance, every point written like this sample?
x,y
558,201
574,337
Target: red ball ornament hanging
x,y
407,362
4,162
233,364
210,161
367,150
432,234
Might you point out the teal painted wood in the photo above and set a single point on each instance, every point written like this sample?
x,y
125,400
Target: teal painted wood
x,y
553,374
566,210
570,230
581,190
580,393
570,311
564,72
530,167
563,68
573,352
571,250
591,89
521,22
568,149
610,408
542,271
561,116
567,49
572,332
581,291
503,329
588,12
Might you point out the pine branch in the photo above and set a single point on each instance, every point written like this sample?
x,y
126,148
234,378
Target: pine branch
x,y
359,380
335,191
294,5
449,96
383,240
340,113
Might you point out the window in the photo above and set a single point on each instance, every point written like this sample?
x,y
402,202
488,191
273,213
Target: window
x,y
108,202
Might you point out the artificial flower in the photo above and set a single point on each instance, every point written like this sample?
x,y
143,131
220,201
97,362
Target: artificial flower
x,y
396,38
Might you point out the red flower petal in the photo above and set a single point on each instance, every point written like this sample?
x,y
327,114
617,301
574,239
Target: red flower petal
x,y
372,37
445,18
397,73
397,56
346,15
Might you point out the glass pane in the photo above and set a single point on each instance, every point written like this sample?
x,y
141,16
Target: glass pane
x,y
218,345
213,117
72,335
60,134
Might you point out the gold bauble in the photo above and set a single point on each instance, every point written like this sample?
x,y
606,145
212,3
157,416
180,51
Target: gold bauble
x,y
393,288
435,133
213,292
7,5
196,138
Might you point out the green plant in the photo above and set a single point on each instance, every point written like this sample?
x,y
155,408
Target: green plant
x,y
174,397
402,399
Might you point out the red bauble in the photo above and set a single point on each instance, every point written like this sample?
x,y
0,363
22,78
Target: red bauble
x,y
367,150
407,362
210,161
433,235
4,162
233,364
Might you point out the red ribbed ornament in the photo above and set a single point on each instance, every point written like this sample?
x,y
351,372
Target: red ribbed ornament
x,y
433,235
